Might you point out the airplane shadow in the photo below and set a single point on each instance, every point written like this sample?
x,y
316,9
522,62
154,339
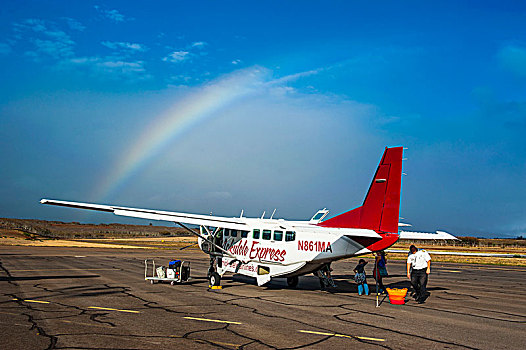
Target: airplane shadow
x,y
369,276
36,278
343,285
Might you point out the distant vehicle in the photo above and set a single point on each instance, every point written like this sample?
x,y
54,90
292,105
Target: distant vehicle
x,y
271,248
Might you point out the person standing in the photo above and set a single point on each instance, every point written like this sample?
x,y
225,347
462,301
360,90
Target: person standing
x,y
380,271
418,269
360,277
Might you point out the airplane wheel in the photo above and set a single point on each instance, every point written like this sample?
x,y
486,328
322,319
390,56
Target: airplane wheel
x,y
214,279
292,282
152,281
172,283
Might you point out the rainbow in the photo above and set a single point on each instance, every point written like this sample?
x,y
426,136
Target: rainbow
x,y
193,109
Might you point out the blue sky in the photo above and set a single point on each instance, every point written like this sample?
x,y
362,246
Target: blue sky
x,y
210,106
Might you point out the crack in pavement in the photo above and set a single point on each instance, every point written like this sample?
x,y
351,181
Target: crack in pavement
x,y
305,324
34,325
30,318
338,317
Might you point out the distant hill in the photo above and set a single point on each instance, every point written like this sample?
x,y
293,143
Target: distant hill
x,y
58,229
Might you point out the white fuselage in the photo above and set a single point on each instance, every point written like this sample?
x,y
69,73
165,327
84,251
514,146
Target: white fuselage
x,y
279,248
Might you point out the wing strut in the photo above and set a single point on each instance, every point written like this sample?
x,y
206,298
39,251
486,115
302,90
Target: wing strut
x,y
206,239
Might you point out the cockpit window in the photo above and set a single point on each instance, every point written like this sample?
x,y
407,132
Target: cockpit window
x,y
278,235
255,234
318,216
290,236
266,234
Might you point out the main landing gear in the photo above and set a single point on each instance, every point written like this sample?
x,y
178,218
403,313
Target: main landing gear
x,y
292,282
213,277
324,274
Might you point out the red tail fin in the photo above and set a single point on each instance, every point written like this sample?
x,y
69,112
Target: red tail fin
x,y
381,206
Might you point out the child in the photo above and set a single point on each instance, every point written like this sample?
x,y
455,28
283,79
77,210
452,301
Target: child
x,y
360,277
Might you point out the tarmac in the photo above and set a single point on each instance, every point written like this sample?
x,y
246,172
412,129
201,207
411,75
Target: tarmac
x,y
74,298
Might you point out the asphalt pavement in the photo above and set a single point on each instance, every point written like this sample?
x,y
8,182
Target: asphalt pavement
x,y
74,298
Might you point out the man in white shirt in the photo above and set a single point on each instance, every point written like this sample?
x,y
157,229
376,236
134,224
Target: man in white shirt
x,y
418,268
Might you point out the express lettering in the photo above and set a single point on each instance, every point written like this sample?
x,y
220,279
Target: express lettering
x,y
315,246
266,253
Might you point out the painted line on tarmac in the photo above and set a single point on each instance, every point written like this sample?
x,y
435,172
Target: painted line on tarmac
x,y
33,301
111,309
89,307
341,335
210,320
456,271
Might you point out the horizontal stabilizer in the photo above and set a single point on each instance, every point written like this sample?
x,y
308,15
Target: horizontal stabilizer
x,y
426,235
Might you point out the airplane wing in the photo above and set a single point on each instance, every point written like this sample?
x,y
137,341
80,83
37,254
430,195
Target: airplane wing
x,y
192,219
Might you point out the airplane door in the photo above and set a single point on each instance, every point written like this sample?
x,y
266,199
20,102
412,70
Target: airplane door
x,y
218,238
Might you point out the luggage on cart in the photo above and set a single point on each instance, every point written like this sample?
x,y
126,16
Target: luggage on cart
x,y
174,264
185,272
160,272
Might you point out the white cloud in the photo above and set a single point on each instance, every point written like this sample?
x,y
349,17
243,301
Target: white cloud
x,y
30,24
54,48
124,46
4,49
296,76
199,44
236,61
113,15
74,24
177,56
110,67
285,134
219,195
513,58
47,38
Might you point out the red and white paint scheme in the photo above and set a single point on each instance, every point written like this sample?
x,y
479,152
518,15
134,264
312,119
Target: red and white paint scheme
x,y
270,248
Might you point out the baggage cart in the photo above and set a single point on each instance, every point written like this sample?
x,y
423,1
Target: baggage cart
x,y
177,271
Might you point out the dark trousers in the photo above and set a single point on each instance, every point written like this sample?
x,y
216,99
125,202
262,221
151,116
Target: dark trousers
x,y
419,282
378,278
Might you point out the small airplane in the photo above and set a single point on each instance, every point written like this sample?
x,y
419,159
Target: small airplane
x,y
271,248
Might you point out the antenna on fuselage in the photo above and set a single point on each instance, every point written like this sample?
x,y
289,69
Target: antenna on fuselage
x,y
274,212
263,215
241,213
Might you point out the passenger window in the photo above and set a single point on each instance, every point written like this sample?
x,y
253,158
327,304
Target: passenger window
x,y
266,234
233,233
290,236
227,232
255,234
278,235
244,234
